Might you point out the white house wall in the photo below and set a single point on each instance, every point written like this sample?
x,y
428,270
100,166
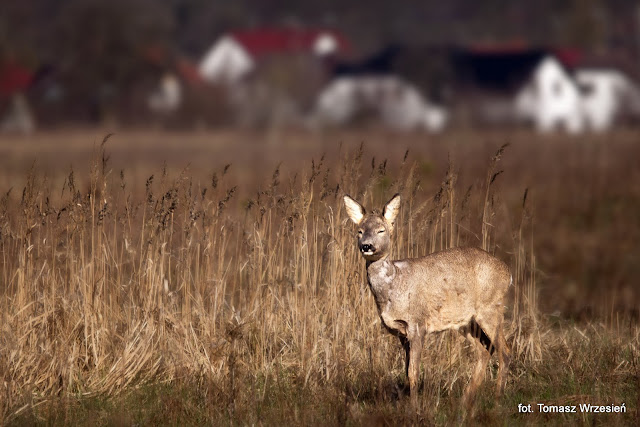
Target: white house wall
x,y
398,104
226,62
605,94
167,98
337,103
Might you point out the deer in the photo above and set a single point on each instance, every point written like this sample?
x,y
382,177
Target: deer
x,y
462,289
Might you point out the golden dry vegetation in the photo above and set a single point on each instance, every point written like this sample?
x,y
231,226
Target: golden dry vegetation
x,y
213,278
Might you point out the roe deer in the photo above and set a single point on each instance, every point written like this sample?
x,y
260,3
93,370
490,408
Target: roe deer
x,y
460,288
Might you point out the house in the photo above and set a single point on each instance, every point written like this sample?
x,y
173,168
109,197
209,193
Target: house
x,y
373,87
605,94
513,84
483,85
15,113
174,75
427,87
551,99
609,91
173,93
167,97
392,101
236,54
271,76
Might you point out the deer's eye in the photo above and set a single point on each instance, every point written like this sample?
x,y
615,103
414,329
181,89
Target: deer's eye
x,y
381,231
359,232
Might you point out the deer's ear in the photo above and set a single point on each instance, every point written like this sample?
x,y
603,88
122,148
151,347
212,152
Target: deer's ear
x,y
354,209
391,209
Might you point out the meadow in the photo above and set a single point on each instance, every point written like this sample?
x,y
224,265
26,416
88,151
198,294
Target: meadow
x,y
198,278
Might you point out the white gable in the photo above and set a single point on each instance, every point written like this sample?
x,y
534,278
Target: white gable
x,y
551,99
226,62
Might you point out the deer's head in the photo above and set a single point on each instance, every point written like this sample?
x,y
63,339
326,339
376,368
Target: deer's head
x,y
374,229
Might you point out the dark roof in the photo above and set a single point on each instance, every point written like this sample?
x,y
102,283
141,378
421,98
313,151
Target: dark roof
x,y
495,70
439,69
380,63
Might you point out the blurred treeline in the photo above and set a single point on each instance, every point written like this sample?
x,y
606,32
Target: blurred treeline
x,y
69,29
103,46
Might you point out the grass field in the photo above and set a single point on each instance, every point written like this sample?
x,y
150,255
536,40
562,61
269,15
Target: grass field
x,y
213,278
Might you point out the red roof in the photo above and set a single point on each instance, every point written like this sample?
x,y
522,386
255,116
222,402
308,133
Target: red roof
x,y
513,46
188,72
278,40
159,55
569,57
14,78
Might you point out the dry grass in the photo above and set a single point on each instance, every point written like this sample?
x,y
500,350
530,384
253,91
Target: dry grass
x,y
192,300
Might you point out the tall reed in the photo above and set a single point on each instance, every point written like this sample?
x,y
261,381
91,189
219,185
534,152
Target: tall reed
x,y
105,288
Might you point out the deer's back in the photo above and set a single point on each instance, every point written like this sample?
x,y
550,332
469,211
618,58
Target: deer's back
x,y
449,286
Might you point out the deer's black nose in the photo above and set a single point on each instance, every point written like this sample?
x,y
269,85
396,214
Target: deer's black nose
x,y
367,248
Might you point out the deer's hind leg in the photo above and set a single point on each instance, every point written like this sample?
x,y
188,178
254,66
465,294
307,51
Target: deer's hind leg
x,y
482,343
491,324
504,357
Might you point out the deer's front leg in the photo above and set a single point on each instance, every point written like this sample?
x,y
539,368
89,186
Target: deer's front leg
x,y
415,337
407,348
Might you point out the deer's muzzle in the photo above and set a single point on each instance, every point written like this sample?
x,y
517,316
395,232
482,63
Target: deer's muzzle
x,y
367,249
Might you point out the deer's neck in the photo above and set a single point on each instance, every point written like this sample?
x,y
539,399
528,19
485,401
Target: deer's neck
x,y
380,275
